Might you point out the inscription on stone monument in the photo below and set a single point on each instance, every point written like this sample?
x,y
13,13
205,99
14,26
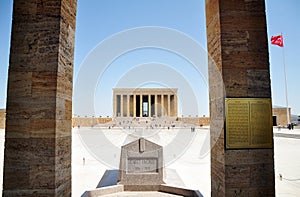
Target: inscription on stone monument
x,y
142,165
248,123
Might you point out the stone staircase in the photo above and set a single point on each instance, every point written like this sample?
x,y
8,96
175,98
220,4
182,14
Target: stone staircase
x,y
145,122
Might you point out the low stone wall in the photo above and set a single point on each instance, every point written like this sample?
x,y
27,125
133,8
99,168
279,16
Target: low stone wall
x,y
200,121
85,122
88,122
2,119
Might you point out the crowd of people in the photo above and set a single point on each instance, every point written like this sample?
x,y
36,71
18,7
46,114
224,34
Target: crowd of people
x,y
132,123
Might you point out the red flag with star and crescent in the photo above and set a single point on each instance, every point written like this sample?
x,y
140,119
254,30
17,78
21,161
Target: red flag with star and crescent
x,y
277,40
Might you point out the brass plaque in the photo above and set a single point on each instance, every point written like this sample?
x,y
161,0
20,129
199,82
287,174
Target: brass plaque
x,y
248,123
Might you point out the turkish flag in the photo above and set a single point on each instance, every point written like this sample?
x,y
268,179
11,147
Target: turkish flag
x,y
277,40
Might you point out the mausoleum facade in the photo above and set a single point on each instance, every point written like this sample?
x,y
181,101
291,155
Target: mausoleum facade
x,y
145,102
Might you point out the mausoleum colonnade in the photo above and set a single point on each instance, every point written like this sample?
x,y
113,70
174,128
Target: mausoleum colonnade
x,y
145,102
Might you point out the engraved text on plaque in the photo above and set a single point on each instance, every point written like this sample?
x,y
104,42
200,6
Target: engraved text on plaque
x,y
248,123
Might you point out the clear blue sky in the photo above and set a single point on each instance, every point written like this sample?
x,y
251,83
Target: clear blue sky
x,y
100,20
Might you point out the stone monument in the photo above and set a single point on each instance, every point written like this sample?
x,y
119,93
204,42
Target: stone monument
x,y
140,173
141,165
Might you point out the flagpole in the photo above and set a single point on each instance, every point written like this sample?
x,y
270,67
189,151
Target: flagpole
x,y
286,89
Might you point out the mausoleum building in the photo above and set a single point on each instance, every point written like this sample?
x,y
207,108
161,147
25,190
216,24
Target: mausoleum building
x,y
145,102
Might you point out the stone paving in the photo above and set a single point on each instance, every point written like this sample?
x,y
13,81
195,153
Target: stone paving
x,y
144,194
191,170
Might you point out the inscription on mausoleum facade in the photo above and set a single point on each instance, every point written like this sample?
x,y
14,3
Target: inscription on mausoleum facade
x,y
248,123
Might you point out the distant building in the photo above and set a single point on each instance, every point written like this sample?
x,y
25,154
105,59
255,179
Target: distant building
x,y
2,118
296,119
145,102
280,115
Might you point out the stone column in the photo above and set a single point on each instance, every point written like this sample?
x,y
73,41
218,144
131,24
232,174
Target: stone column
x,y
149,105
169,105
141,105
238,46
175,105
128,103
37,159
121,105
172,105
114,105
162,105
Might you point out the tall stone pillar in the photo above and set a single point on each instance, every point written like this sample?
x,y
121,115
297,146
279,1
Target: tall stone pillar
x,y
114,105
243,163
128,104
175,105
169,105
37,155
162,105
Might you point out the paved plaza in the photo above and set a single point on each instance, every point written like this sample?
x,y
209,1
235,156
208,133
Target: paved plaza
x,y
191,169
